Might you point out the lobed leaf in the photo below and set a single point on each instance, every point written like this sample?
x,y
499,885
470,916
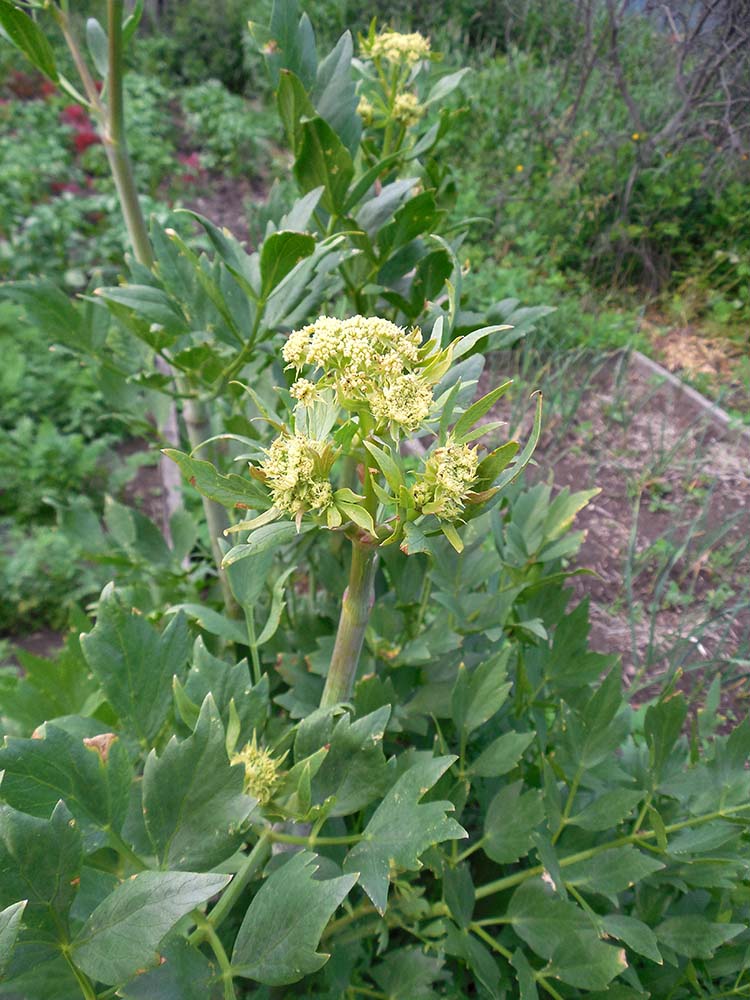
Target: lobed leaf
x,y
277,940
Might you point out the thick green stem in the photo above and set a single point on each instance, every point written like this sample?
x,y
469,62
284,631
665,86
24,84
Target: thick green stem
x,y
115,141
356,606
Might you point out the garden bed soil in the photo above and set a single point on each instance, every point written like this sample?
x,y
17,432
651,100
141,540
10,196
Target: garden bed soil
x,y
668,537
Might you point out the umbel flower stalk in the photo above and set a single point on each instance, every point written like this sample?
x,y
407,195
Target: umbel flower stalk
x,y
356,607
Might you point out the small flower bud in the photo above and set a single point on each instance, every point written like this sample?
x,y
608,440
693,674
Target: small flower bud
x,y
261,771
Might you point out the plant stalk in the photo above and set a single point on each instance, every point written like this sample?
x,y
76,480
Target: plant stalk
x,y
115,142
356,607
255,860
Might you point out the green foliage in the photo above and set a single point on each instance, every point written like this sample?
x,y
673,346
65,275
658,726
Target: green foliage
x,y
232,135
461,799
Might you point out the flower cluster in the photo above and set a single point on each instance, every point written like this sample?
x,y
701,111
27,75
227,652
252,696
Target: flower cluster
x,y
443,487
365,110
407,110
371,363
261,771
396,47
296,471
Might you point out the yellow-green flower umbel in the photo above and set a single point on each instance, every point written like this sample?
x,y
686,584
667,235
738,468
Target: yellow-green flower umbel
x,y
442,488
407,110
396,47
296,471
372,365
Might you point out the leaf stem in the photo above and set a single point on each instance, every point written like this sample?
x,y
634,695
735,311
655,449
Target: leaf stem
x,y
310,841
213,939
363,910
255,860
356,606
572,792
469,851
125,850
500,885
508,956
253,643
81,978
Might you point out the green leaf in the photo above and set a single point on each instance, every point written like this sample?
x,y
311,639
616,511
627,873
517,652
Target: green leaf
x,y
228,683
409,974
607,809
525,976
693,936
280,254
98,45
355,769
149,303
213,621
511,474
387,465
230,491
277,941
39,862
40,772
459,893
131,22
19,28
185,974
477,957
561,932
270,536
401,829
49,688
445,86
487,690
637,936
194,805
293,105
358,514
323,160
662,727
465,424
10,924
501,755
612,871
510,822
335,96
135,664
124,932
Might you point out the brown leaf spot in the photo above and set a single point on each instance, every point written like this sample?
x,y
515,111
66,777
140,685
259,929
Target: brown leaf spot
x,y
101,744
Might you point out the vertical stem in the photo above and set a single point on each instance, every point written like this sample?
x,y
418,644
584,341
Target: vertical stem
x,y
194,414
115,141
356,606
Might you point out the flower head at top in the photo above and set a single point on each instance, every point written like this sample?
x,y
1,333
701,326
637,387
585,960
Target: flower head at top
x,y
370,362
396,47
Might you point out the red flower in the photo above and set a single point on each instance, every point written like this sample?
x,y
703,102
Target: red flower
x,y
58,187
47,88
191,160
74,114
84,138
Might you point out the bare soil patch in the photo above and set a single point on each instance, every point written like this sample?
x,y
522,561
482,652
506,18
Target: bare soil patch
x,y
669,535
